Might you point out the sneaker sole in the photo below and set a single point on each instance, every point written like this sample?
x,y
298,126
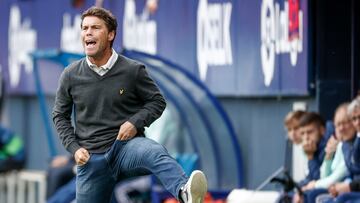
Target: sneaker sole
x,y
198,187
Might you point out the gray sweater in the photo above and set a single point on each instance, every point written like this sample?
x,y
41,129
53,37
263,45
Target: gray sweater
x,y
103,103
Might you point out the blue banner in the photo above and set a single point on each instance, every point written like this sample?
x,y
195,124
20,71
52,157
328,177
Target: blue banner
x,y
237,48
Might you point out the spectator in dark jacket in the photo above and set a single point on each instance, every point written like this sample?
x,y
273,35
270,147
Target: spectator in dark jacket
x,y
312,130
12,153
350,189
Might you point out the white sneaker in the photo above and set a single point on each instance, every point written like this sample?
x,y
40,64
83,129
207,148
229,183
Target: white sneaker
x,y
195,189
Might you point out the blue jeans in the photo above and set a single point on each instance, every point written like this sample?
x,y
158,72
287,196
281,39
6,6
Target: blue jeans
x,y
59,176
310,195
64,194
139,156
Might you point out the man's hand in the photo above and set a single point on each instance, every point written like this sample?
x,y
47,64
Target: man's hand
x,y
339,188
342,188
332,191
127,131
59,161
298,198
81,156
330,148
309,186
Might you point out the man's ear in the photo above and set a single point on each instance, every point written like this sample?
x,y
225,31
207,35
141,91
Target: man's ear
x,y
111,35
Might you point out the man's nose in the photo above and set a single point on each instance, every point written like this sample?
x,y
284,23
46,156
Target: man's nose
x,y
89,31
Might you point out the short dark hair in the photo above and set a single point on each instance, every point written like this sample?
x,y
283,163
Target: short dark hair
x,y
310,118
105,15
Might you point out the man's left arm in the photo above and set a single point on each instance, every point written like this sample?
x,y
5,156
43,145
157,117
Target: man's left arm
x,y
154,105
154,102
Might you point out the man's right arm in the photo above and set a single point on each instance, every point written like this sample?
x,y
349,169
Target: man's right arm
x,y
62,114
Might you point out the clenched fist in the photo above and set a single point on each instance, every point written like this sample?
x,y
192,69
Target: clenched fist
x,y
81,156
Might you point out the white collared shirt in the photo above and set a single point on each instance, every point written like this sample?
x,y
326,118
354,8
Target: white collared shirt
x,y
102,70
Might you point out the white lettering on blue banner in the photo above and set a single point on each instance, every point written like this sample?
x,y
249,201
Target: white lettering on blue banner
x,y
213,36
22,41
139,33
71,34
281,32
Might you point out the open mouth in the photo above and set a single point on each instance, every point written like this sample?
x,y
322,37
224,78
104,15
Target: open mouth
x,y
90,42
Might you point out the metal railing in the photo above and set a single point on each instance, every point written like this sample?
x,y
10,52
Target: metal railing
x,y
25,186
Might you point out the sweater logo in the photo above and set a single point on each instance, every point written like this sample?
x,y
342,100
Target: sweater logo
x,y
121,91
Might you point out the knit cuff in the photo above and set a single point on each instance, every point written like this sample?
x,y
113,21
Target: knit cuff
x,y
73,147
138,123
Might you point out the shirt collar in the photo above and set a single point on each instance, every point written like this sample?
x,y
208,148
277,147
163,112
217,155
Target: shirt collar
x,y
108,65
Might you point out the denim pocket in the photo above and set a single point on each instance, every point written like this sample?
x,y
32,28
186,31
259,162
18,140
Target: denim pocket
x,y
80,169
117,146
112,155
82,166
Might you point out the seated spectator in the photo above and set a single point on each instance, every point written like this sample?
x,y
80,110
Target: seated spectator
x,y
60,172
312,130
12,152
333,168
299,160
127,189
64,194
348,190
